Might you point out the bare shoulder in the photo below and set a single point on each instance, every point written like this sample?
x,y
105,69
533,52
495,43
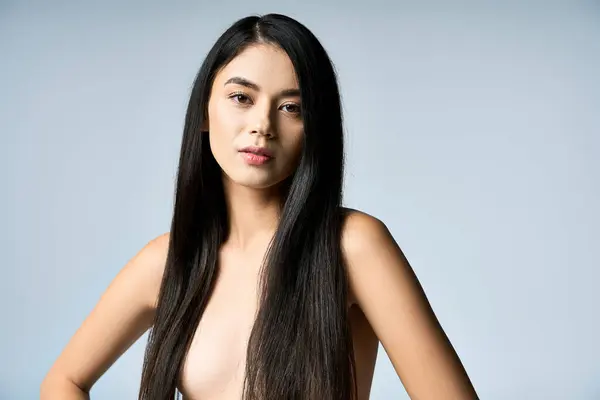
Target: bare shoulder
x,y
389,294
360,230
151,262
364,236
122,314
144,271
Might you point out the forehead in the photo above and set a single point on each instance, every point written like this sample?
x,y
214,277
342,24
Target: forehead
x,y
264,64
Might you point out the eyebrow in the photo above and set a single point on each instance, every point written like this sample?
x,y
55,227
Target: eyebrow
x,y
245,82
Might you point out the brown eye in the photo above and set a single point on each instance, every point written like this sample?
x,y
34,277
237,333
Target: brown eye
x,y
292,108
239,98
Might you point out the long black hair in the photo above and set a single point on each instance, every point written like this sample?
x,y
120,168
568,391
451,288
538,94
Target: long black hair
x,y
300,346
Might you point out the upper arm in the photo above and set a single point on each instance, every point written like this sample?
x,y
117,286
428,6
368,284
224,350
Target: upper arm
x,y
123,313
392,299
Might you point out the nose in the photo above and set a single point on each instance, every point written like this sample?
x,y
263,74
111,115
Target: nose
x,y
262,124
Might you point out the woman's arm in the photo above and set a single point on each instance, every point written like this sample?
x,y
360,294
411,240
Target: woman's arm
x,y
62,388
395,305
124,312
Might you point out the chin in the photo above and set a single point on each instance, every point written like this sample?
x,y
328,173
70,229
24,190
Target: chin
x,y
255,181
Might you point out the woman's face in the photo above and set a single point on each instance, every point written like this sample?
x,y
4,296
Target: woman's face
x,y
255,101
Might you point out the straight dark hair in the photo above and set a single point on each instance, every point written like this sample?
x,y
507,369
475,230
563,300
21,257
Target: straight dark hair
x,y
300,345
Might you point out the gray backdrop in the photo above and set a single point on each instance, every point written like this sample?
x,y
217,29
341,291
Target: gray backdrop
x,y
473,132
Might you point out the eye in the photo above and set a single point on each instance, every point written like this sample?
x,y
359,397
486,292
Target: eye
x,y
239,97
291,108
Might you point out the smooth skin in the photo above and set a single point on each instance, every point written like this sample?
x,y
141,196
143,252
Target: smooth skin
x,y
124,312
382,282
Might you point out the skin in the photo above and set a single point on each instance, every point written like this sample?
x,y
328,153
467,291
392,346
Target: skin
x,y
387,304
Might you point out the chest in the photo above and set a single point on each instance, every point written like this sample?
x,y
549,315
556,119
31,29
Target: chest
x,y
215,364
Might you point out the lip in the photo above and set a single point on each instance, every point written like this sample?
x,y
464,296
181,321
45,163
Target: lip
x,y
260,151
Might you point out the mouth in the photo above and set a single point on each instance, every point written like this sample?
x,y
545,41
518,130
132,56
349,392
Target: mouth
x,y
258,151
254,155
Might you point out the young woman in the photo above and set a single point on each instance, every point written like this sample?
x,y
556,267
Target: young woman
x,y
265,286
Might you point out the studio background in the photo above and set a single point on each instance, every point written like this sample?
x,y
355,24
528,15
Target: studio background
x,y
473,132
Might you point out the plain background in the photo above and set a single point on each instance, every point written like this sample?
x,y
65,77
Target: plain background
x,y
473,133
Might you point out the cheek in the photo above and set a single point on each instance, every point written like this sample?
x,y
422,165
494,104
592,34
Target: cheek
x,y
293,145
222,120
223,128
298,144
297,137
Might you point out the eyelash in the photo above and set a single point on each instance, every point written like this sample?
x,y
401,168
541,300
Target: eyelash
x,y
235,95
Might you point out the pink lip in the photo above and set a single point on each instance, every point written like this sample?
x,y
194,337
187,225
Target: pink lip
x,y
254,155
261,151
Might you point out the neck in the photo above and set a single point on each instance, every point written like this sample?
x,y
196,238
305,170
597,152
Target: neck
x,y
253,214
